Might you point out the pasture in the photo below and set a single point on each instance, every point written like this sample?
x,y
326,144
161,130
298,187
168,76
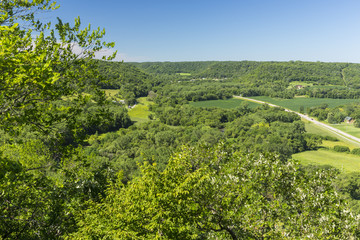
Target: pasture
x,y
345,162
295,103
226,104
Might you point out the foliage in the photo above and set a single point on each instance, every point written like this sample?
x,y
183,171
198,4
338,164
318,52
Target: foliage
x,y
125,77
339,148
228,103
39,69
217,193
356,151
349,186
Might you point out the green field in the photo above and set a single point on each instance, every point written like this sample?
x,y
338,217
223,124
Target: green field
x,y
348,128
294,104
140,112
345,162
316,129
184,74
110,93
227,104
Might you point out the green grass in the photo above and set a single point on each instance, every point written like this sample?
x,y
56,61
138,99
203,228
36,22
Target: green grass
x,y
294,104
332,144
348,128
110,93
226,104
316,129
184,74
345,162
141,111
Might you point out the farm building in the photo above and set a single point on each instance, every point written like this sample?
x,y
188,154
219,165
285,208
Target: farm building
x,y
348,120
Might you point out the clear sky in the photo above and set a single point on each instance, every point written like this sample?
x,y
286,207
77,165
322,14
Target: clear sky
x,y
201,30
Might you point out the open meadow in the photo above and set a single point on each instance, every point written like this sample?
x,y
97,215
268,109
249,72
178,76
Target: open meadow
x,y
345,162
140,112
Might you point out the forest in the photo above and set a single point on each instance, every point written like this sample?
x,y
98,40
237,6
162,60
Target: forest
x,y
76,164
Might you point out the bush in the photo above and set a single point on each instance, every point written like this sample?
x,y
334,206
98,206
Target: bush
x,y
338,148
329,138
356,151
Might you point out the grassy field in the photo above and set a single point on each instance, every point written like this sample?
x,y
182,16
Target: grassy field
x,y
294,104
227,104
348,128
140,112
184,74
110,93
316,129
345,162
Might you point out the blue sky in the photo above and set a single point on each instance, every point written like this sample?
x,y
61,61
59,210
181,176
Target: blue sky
x,y
199,30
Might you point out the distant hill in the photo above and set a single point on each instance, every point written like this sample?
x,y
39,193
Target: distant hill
x,y
345,74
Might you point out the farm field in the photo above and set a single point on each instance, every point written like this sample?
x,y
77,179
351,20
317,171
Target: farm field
x,y
294,104
227,104
140,112
345,162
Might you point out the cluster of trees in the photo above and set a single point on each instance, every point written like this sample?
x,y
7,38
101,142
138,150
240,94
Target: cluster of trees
x,y
125,77
214,193
248,130
171,68
336,114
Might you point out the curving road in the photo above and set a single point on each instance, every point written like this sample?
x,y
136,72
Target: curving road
x,y
327,127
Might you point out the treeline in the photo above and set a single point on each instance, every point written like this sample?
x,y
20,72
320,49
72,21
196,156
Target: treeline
x,y
337,114
170,68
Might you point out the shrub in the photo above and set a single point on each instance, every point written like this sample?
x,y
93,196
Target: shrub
x,y
338,148
356,151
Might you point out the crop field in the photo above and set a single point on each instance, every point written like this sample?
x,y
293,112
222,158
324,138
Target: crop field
x,y
294,104
227,104
345,162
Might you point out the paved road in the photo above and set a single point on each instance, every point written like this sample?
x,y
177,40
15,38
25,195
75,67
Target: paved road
x,y
327,127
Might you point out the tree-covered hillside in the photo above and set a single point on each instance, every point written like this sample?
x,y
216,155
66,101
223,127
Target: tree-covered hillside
x,y
275,79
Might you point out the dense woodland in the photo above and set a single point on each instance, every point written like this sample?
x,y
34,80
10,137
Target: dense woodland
x,y
73,165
